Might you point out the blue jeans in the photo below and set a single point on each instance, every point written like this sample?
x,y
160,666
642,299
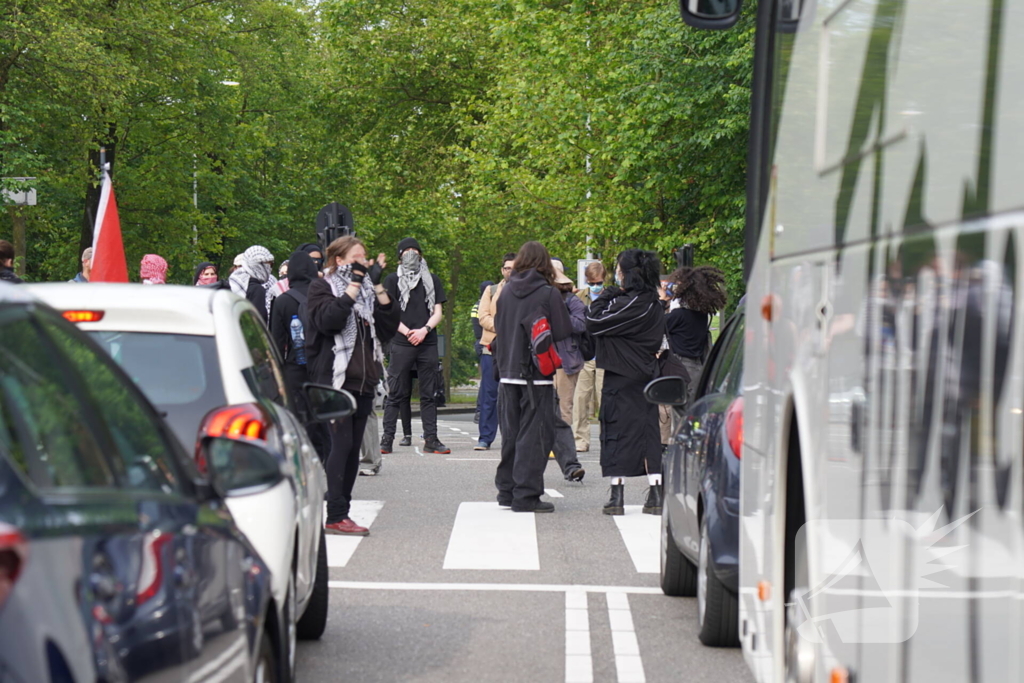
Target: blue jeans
x,y
488,400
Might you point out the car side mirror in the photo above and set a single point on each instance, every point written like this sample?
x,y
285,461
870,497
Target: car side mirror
x,y
327,403
240,467
667,391
710,14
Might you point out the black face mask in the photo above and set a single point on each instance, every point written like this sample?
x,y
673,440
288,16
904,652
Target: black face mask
x,y
319,262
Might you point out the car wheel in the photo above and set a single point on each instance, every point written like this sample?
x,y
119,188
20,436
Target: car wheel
x,y
678,575
717,606
266,664
314,620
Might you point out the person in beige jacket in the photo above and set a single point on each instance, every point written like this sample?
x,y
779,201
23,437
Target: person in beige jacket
x,y
587,401
488,427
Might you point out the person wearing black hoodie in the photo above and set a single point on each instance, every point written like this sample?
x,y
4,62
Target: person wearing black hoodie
x,y
351,317
526,396
628,324
286,307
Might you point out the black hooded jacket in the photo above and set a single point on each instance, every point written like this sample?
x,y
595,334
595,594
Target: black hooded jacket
x,y
629,327
526,297
301,272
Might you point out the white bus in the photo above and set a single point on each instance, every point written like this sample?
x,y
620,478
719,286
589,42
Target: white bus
x,y
882,469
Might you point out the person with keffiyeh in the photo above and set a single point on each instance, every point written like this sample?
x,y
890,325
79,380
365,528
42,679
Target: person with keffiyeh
x,y
254,279
351,316
420,295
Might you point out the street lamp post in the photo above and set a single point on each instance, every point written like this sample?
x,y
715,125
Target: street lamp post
x,y
15,200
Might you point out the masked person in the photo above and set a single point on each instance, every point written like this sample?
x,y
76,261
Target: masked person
x,y
488,428
526,395
587,400
350,317
419,295
153,270
628,324
206,274
7,273
289,318
254,279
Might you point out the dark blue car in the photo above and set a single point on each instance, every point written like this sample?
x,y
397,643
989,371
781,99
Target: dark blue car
x,y
118,561
700,520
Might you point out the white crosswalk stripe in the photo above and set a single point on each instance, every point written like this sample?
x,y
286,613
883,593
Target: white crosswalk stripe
x,y
486,536
341,548
642,535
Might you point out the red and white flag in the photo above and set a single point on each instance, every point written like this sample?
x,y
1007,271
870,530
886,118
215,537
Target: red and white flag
x,y
108,260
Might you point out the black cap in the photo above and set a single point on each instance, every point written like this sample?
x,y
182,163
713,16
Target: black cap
x,y
409,243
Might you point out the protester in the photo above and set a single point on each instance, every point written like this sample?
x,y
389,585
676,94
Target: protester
x,y
350,317
236,264
628,324
587,400
478,331
7,264
83,275
419,295
527,396
315,253
699,293
488,428
282,272
253,279
206,274
569,349
370,458
288,322
153,270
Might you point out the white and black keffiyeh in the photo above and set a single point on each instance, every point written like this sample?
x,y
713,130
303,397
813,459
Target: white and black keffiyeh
x,y
412,271
256,262
345,341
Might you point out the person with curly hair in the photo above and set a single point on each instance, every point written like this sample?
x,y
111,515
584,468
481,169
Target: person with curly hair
x,y
698,293
628,324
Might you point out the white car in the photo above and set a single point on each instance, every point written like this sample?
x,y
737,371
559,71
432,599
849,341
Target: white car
x,y
204,358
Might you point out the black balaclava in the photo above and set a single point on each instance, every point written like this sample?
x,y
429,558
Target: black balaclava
x,y
301,271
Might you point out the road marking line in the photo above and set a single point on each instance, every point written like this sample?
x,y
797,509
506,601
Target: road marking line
x,y
553,493
477,459
628,664
486,536
341,548
455,429
642,535
493,587
418,451
579,663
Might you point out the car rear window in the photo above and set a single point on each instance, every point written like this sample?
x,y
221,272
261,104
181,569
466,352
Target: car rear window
x,y
178,373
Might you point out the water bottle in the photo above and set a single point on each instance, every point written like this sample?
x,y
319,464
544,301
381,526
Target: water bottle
x,y
298,341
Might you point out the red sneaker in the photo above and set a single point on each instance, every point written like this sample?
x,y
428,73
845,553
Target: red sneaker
x,y
346,527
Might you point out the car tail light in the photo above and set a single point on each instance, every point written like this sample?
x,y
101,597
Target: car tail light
x,y
13,553
242,421
734,426
83,316
151,574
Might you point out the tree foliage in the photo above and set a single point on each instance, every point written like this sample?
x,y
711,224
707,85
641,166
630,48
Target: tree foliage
x,y
473,125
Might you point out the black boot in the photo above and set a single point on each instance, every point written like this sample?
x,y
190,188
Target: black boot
x,y
652,506
615,504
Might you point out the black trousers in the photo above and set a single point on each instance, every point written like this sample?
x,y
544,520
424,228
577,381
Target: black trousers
x,y
343,463
294,377
565,443
403,359
527,436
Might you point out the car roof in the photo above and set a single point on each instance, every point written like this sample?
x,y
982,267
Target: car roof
x,y
136,308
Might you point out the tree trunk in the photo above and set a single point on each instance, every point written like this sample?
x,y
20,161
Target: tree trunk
x,y
449,324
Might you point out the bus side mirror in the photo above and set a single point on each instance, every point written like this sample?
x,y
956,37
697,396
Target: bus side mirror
x,y
710,14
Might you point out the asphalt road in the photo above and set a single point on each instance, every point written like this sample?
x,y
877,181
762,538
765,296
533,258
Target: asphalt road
x,y
414,602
